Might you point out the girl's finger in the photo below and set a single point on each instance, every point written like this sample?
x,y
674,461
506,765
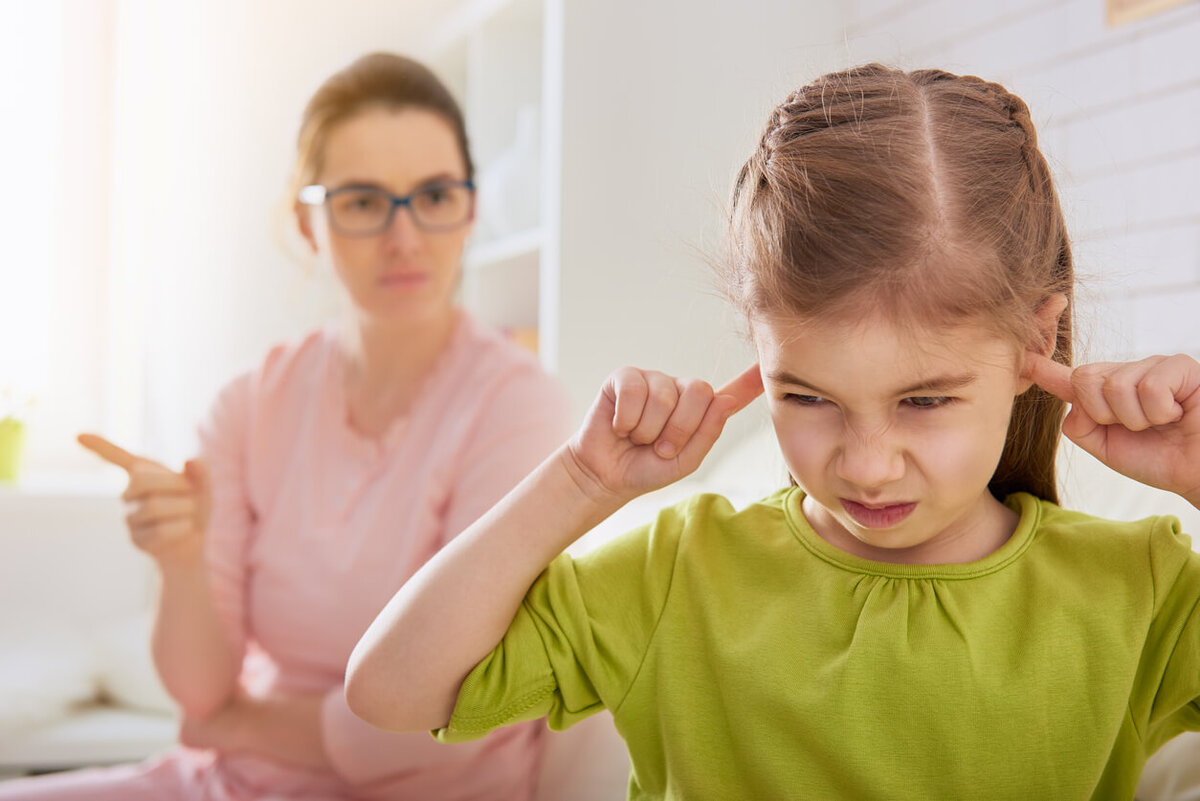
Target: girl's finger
x,y
723,407
1121,391
1088,383
1048,374
743,388
663,396
694,400
1166,386
629,391
1085,432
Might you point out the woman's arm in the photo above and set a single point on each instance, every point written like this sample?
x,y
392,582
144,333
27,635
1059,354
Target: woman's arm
x,y
286,728
168,521
645,430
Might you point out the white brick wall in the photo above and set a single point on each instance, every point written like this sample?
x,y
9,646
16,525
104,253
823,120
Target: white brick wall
x,y
1118,115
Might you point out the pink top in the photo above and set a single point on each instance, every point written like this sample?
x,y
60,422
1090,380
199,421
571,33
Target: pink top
x,y
315,526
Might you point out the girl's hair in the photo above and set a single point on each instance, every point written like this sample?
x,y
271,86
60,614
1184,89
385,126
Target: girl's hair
x,y
924,195
376,80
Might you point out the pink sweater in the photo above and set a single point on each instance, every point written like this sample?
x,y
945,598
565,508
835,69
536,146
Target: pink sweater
x,y
315,527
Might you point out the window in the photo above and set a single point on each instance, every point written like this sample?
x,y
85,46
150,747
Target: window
x,y
56,75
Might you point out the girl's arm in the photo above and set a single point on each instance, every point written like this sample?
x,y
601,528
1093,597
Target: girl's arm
x,y
1141,418
645,431
169,517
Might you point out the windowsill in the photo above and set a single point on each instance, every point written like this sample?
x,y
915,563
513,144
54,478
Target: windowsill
x,y
65,485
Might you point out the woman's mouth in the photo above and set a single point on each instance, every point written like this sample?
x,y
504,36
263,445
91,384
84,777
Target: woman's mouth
x,y
877,515
403,280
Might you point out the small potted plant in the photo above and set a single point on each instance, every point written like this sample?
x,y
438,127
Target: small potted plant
x,y
13,406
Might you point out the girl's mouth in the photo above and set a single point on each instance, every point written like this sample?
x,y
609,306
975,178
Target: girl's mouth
x,y
877,515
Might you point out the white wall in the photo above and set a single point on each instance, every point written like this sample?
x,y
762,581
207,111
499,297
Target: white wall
x,y
209,101
1117,111
662,103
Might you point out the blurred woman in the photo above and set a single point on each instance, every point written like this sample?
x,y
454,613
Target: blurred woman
x,y
329,474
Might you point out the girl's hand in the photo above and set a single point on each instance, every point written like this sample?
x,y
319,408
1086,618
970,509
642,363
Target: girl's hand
x,y
170,510
647,429
1142,418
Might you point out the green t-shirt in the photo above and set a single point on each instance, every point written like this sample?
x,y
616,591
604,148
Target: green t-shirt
x,y
743,657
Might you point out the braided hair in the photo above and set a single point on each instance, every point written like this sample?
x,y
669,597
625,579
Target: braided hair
x,y
922,195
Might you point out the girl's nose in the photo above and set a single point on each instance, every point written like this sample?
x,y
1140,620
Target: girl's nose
x,y
870,462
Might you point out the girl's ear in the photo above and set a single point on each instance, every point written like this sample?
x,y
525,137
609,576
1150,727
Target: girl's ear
x,y
304,223
1047,317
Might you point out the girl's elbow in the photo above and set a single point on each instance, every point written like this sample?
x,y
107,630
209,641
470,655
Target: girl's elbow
x,y
367,696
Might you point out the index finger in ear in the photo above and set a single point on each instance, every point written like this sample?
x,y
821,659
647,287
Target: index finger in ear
x,y
114,454
1051,376
744,388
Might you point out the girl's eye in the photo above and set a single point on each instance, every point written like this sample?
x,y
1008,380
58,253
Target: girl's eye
x,y
927,401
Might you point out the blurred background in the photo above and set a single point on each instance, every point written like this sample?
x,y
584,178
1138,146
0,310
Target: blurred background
x,y
150,255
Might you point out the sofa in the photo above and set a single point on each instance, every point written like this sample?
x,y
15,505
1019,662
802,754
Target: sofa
x,y
77,686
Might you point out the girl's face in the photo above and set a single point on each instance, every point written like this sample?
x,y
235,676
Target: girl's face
x,y
893,434
403,272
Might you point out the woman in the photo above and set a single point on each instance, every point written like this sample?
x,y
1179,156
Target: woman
x,y
330,474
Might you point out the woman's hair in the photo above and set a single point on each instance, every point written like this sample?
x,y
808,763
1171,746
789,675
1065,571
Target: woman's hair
x,y
924,196
376,80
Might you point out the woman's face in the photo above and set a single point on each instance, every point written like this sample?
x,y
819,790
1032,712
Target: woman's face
x,y
893,434
404,272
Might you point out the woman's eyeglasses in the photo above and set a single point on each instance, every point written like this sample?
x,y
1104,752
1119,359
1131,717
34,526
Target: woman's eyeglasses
x,y
368,210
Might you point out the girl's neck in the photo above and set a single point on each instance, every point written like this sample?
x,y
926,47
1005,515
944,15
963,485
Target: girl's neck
x,y
386,363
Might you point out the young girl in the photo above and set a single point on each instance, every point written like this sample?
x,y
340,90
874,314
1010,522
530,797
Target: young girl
x,y
917,618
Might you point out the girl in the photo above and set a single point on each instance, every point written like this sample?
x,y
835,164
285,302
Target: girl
x,y
330,474
917,618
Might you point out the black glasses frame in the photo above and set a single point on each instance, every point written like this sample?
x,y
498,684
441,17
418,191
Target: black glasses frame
x,y
318,195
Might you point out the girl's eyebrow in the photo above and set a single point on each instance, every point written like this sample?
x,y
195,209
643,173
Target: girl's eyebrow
x,y
937,384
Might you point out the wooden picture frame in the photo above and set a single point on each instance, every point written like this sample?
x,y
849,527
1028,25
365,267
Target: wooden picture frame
x,y
1119,12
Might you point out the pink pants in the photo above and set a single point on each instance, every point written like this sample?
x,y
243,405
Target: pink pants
x,y
181,774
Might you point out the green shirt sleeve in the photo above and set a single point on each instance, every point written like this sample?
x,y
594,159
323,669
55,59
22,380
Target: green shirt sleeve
x,y
578,639
1172,674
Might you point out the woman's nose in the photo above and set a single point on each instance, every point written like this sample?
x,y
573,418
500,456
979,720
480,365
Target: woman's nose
x,y
402,233
870,461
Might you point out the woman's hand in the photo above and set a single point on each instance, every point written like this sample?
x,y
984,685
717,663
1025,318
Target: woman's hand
x,y
1141,418
647,429
283,727
170,510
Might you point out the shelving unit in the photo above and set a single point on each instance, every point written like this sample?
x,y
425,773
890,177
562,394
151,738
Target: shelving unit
x,y
606,134
492,54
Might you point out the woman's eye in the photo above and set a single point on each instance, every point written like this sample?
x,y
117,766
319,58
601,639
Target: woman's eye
x,y
927,401
433,196
361,202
